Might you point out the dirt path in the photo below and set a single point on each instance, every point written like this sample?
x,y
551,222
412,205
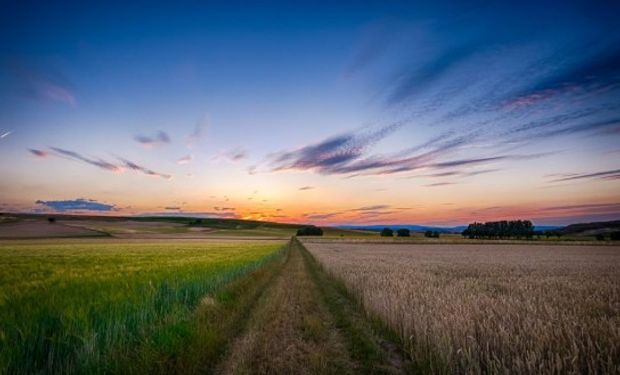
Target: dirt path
x,y
301,325
290,330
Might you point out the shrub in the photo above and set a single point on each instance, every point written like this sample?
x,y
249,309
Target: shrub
x,y
387,232
615,236
51,220
403,232
600,237
310,230
431,234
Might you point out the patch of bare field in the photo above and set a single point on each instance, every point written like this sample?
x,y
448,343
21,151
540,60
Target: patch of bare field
x,y
490,308
42,229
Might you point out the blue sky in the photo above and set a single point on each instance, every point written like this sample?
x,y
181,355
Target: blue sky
x,y
436,113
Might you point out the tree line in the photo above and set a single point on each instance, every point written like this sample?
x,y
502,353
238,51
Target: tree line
x,y
500,229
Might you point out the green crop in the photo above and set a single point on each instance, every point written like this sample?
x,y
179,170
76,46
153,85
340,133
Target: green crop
x,y
69,306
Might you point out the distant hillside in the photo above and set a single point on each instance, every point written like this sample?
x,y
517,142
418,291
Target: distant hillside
x,y
424,228
411,227
592,228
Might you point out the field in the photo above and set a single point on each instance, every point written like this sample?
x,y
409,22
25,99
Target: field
x,y
76,305
509,308
87,295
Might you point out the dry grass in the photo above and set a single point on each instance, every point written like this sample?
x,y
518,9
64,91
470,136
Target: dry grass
x,y
290,331
490,308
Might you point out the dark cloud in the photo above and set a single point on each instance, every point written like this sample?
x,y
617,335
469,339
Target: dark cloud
x,y
172,208
334,155
99,163
133,166
158,139
593,73
77,205
306,188
39,153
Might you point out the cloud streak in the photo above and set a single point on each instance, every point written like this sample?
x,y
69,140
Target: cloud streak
x,y
79,204
159,139
99,163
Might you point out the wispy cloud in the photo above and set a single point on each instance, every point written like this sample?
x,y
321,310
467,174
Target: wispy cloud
x,y
437,184
99,163
199,132
184,160
236,154
605,175
333,155
5,134
160,138
39,153
306,188
146,171
79,204
45,86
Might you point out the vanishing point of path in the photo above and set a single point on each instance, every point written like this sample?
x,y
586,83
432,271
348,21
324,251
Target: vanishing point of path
x,y
305,324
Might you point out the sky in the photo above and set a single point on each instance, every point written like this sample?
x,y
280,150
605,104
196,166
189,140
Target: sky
x,y
437,113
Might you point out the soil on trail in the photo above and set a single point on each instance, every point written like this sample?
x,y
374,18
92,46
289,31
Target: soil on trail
x,y
290,330
303,325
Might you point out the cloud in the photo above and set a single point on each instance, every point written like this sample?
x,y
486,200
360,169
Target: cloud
x,y
172,208
321,216
416,79
597,71
5,134
198,214
199,132
48,86
306,188
333,155
79,204
374,43
160,138
133,166
371,208
236,154
39,153
99,163
184,160
217,208
437,184
605,175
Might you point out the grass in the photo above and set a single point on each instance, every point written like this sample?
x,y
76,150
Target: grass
x,y
488,308
80,306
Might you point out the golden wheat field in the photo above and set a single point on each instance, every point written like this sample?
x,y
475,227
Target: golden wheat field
x,y
490,308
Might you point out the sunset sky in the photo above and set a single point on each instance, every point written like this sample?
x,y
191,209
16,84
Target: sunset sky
x,y
411,113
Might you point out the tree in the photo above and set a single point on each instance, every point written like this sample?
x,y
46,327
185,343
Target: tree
x,y
600,237
387,232
310,230
615,236
403,232
51,220
431,234
500,229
